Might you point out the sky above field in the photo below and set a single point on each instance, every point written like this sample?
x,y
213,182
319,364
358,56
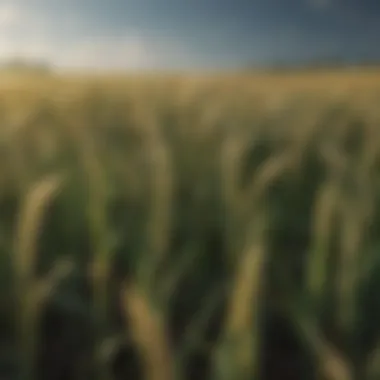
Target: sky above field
x,y
187,34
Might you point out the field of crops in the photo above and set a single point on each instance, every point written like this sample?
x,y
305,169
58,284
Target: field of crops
x,y
223,228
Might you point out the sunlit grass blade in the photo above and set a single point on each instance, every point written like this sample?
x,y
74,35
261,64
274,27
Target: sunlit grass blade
x,y
27,286
149,333
325,217
237,354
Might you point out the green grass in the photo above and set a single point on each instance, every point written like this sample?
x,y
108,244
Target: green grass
x,y
180,228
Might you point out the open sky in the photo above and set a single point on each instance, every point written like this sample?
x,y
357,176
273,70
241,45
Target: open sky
x,y
187,34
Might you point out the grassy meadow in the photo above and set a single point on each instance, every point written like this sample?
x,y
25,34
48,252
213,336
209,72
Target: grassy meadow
x,y
161,228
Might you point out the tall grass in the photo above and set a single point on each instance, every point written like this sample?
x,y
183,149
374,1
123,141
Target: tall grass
x,y
180,228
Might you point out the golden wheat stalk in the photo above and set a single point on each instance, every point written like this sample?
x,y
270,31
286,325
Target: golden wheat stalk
x,y
30,219
236,355
29,293
357,208
269,171
146,313
158,230
325,211
353,227
148,333
231,156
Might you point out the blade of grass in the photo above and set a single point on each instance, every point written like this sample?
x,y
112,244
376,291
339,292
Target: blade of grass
x,y
148,333
25,250
236,355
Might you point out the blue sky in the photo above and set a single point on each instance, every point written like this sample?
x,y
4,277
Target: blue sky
x,y
187,34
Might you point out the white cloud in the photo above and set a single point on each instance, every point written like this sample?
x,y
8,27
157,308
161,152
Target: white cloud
x,y
20,26
26,33
21,33
9,15
130,51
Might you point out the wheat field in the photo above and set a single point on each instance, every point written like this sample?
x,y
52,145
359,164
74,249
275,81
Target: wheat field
x,y
219,227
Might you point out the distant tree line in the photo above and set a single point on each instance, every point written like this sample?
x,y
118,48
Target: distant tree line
x,y
25,66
